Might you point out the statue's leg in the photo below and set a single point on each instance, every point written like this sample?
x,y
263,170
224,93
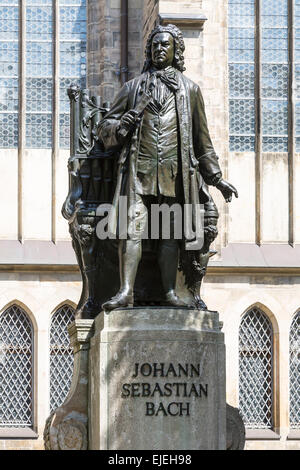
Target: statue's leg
x,y
168,263
130,253
168,254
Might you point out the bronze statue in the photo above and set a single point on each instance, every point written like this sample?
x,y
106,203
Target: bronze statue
x,y
158,124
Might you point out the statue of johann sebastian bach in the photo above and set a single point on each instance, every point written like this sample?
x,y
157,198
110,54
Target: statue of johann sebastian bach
x,y
158,122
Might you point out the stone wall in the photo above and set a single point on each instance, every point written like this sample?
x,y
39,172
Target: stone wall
x,y
40,294
277,296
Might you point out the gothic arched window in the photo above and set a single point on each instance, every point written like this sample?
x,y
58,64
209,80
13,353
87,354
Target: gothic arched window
x,y
256,369
295,372
16,368
61,356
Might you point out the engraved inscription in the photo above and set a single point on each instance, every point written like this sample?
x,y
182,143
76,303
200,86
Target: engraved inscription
x,y
166,370
170,389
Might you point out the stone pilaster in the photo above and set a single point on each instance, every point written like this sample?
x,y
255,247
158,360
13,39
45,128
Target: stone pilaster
x,y
104,48
66,427
104,53
214,84
150,18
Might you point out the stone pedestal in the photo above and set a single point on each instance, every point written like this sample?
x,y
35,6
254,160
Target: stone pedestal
x,y
157,380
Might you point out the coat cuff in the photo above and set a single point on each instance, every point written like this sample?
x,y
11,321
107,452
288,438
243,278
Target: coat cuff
x,y
210,169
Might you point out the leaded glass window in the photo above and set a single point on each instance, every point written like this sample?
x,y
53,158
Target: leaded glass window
x,y
9,49
61,356
72,58
241,57
39,82
295,372
274,80
259,74
42,30
256,369
16,368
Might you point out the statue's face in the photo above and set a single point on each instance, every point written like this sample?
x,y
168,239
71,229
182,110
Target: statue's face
x,y
162,50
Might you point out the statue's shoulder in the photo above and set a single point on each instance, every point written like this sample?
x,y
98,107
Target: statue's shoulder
x,y
192,86
137,81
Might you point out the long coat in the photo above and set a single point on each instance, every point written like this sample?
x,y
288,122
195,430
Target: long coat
x,y
199,162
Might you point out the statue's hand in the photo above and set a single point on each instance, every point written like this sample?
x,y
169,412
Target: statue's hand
x,y
227,190
128,121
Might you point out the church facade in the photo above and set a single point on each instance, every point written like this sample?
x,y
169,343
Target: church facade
x,y
244,56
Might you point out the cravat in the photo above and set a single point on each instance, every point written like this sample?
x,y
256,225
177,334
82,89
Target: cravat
x,y
168,77
158,79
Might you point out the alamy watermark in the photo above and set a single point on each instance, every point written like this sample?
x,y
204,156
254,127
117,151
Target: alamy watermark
x,y
156,221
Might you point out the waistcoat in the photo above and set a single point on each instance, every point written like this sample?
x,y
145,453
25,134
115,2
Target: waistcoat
x,y
157,162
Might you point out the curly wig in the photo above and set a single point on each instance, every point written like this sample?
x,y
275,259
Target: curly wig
x,y
178,62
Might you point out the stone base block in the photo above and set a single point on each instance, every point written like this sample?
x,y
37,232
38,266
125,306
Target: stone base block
x,y
157,380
